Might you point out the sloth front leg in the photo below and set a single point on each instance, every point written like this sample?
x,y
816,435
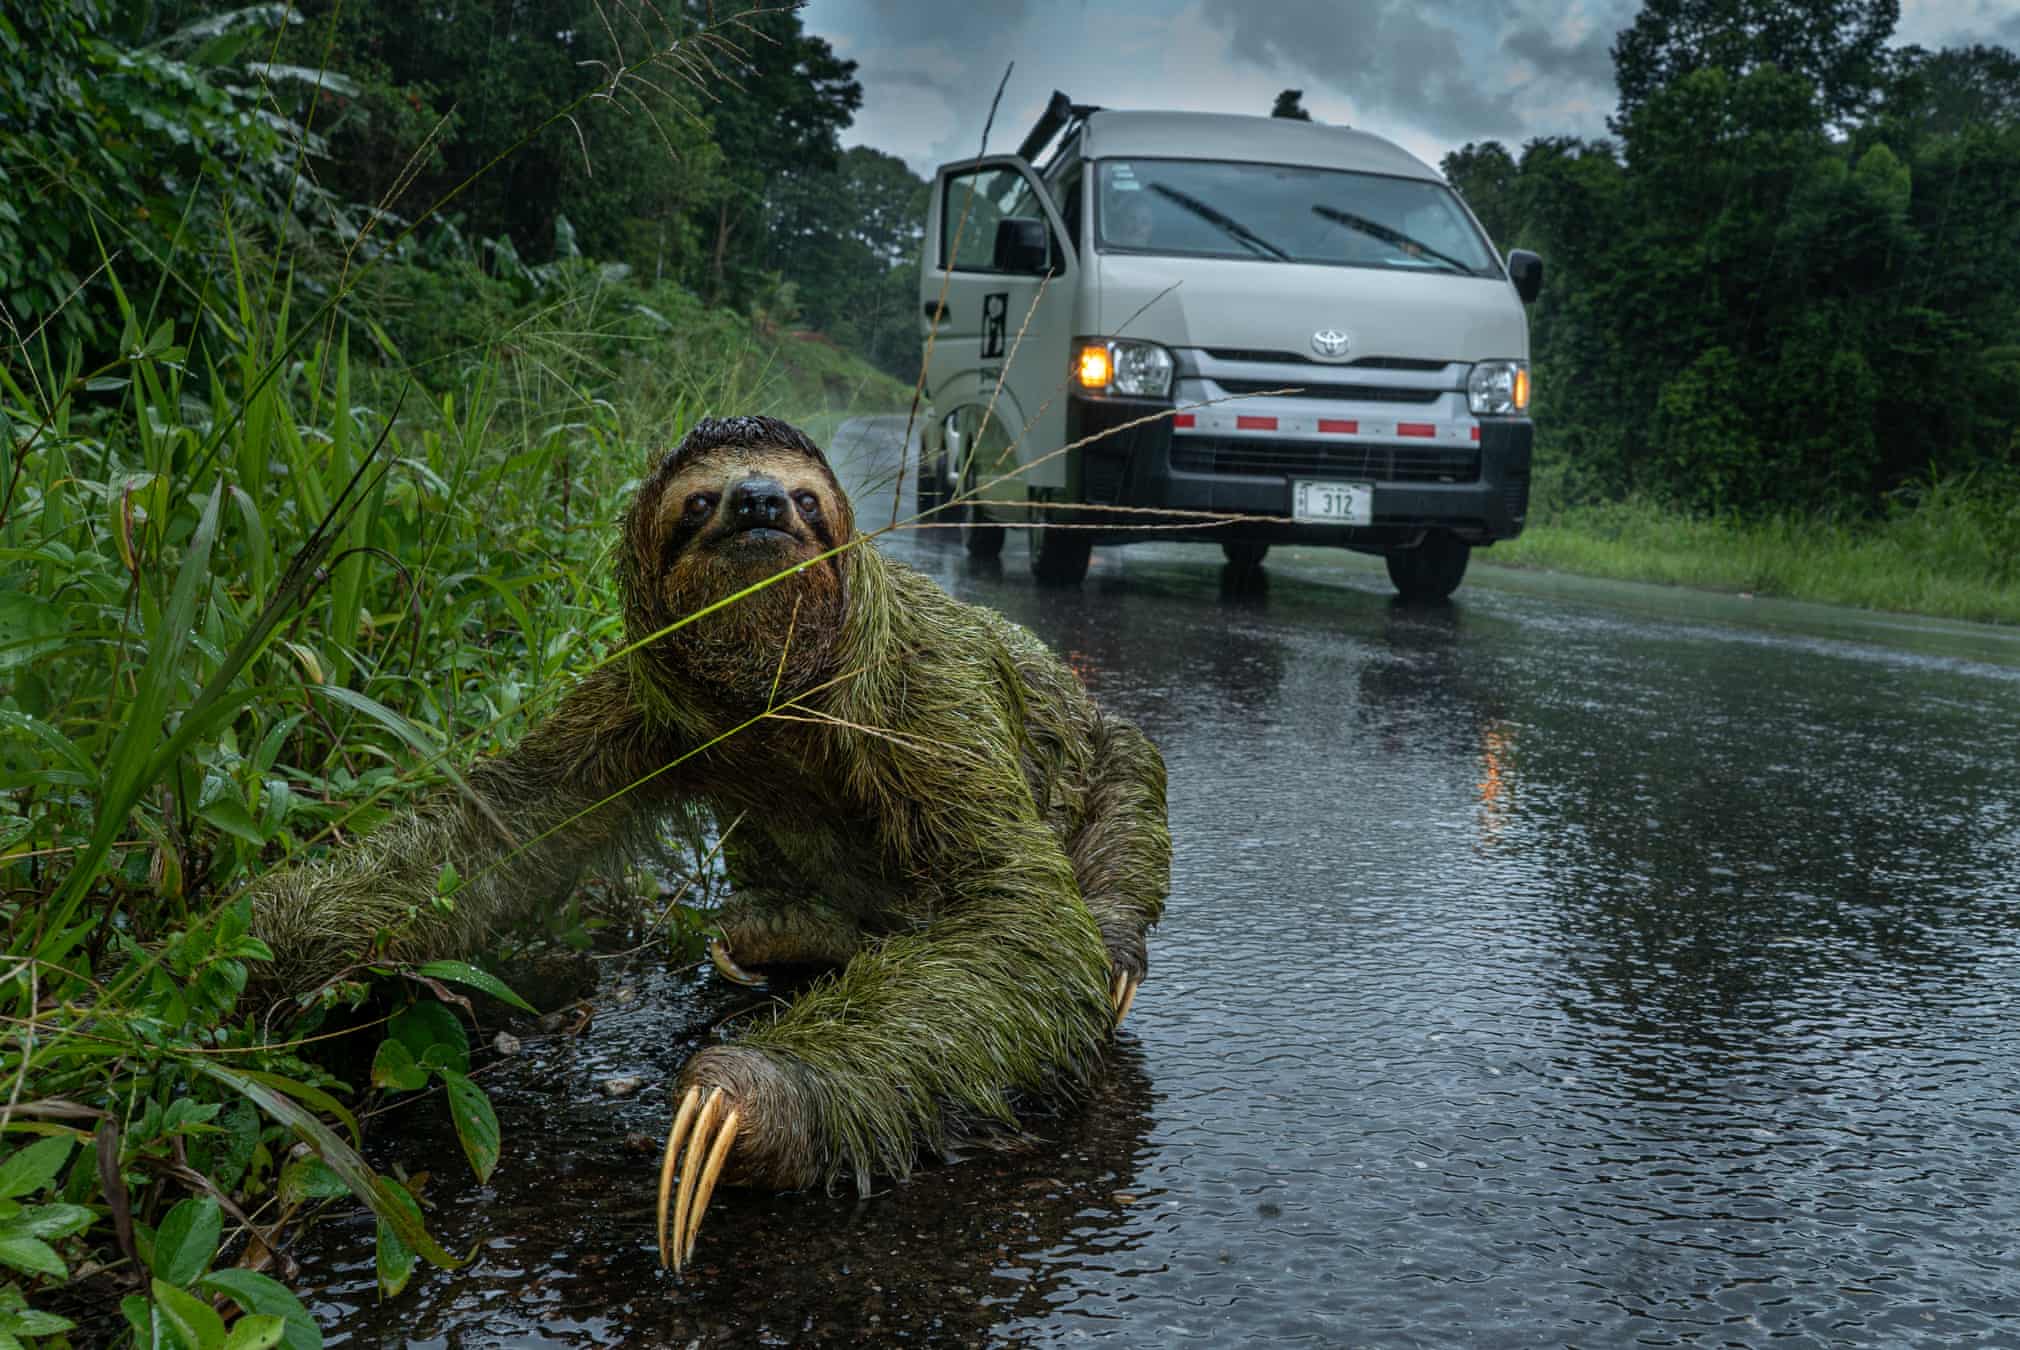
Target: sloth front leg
x,y
925,1034
764,927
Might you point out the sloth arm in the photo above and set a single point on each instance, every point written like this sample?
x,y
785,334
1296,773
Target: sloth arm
x,y
1002,992
579,788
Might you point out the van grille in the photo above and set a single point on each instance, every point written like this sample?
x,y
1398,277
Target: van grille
x,y
1376,463
1357,393
1257,354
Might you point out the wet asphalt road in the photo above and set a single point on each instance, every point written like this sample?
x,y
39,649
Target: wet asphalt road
x,y
1572,965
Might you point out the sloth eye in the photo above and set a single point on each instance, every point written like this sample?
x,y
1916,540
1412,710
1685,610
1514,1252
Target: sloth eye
x,y
809,504
701,503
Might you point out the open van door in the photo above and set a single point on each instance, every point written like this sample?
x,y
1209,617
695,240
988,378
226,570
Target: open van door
x,y
996,288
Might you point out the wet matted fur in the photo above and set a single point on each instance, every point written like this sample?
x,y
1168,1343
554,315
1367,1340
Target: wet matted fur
x,y
930,803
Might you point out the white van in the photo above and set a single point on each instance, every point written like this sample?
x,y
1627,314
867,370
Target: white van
x,y
1184,316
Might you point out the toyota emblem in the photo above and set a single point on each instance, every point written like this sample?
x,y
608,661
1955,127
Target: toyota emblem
x,y
1329,342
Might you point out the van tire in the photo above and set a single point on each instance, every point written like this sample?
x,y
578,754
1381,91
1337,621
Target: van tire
x,y
1433,569
983,537
1059,557
932,491
1244,555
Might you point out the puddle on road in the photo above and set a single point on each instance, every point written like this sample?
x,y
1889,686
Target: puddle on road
x,y
1528,978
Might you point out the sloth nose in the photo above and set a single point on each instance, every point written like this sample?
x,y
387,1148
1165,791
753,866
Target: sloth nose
x,y
758,501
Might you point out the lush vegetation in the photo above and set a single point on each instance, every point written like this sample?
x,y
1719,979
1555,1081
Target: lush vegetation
x,y
1786,293
329,357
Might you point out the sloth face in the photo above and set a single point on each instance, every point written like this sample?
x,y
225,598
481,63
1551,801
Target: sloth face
x,y
716,521
754,509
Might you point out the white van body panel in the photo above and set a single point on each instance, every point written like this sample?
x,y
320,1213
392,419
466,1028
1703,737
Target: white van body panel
x,y
1224,302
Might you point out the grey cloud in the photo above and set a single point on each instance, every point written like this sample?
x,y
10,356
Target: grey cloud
x,y
1392,56
1587,61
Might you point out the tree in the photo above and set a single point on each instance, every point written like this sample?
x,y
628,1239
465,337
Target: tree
x,y
1945,92
1484,174
849,239
782,105
1291,103
1837,46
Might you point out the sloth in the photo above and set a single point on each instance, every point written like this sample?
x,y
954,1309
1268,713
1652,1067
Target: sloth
x,y
918,796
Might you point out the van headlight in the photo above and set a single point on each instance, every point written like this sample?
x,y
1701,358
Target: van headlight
x,y
1123,366
1498,388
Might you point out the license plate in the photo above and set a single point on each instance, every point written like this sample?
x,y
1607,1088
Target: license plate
x,y
1332,503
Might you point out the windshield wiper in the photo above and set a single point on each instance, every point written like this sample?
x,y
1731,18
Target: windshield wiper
x,y
1377,230
1214,216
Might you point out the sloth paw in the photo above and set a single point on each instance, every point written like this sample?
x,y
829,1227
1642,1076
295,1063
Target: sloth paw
x,y
708,1128
1122,993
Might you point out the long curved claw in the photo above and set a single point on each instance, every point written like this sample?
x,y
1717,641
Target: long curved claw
x,y
708,1132
718,952
1122,993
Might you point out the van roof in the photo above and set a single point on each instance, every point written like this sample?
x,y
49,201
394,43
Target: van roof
x,y
1266,140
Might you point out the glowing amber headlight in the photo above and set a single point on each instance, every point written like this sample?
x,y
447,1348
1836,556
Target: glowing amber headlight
x,y
1126,366
1498,388
1094,368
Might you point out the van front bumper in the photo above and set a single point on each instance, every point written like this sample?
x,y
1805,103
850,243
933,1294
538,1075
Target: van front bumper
x,y
1479,490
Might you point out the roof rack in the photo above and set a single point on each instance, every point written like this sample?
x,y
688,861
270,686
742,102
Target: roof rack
x,y
1060,112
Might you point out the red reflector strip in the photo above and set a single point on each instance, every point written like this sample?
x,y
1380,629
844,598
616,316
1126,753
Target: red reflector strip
x,y
1337,427
1188,420
1416,429
1476,433
1255,423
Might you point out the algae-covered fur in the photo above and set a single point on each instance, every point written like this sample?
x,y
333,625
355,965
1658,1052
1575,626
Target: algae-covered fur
x,y
929,801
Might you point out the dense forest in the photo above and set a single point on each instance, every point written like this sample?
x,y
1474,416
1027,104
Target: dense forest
x,y
332,336
1792,279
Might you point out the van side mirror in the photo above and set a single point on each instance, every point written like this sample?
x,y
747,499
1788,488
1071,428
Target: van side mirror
x,y
1525,269
1020,245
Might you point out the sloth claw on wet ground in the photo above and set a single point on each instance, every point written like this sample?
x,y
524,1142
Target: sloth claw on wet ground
x,y
708,1128
1122,993
718,952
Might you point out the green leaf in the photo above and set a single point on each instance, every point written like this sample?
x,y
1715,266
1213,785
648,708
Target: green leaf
x,y
385,1197
187,1240
263,1294
29,624
476,1123
193,1320
29,1169
432,1034
139,1314
32,1255
310,1178
255,1332
395,1257
228,813
458,972
34,1322
394,1068
48,1221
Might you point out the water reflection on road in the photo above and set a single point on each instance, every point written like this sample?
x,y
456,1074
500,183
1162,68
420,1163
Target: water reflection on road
x,y
1537,971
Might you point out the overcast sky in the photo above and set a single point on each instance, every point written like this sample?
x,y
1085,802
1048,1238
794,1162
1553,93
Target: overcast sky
x,y
1430,74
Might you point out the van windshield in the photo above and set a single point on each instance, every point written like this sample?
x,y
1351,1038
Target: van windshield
x,y
1285,213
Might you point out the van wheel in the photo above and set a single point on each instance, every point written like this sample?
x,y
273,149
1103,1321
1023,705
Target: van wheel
x,y
1059,557
983,536
1433,569
932,490
1244,554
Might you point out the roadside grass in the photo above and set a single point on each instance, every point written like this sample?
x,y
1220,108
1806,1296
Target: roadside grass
x,y
1948,549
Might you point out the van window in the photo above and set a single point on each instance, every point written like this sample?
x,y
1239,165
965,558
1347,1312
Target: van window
x,y
1285,213
975,202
